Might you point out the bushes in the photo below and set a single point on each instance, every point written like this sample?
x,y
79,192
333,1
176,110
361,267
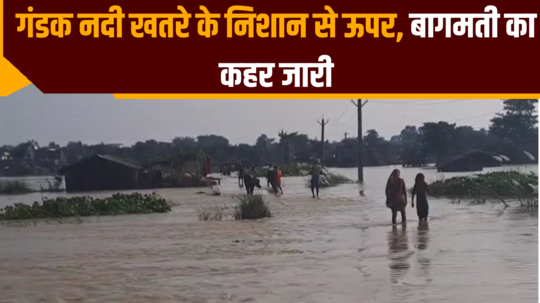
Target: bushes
x,y
117,204
14,188
335,179
331,180
290,170
251,207
213,213
247,208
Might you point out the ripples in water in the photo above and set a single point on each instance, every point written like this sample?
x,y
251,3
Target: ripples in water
x,y
339,248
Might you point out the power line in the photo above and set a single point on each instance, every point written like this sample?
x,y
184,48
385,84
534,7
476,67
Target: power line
x,y
421,104
310,128
344,112
348,121
474,117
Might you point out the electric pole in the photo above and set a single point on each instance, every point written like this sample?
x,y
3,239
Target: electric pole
x,y
345,134
359,106
322,124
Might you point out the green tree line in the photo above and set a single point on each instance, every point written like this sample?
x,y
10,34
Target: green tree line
x,y
511,132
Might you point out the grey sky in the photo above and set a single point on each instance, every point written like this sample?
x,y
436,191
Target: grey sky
x,y
30,114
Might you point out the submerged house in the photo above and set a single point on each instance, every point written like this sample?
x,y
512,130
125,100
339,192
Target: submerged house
x,y
101,172
458,163
474,160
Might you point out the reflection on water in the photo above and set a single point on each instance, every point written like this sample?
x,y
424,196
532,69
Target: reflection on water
x,y
422,240
340,248
399,254
422,235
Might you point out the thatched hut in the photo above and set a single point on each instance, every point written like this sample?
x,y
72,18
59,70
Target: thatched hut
x,y
101,172
473,160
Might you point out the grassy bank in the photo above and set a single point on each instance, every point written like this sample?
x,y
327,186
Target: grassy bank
x,y
14,188
118,204
494,185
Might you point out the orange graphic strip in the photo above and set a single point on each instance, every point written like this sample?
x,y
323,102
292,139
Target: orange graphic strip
x,y
327,96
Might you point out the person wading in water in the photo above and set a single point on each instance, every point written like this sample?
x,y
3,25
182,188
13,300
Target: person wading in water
x,y
251,181
420,190
270,176
396,196
240,175
316,172
279,175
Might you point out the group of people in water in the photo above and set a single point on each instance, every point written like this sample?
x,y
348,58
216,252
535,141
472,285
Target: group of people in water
x,y
396,191
396,196
274,179
274,176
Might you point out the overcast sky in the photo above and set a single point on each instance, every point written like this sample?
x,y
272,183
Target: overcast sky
x,y
29,114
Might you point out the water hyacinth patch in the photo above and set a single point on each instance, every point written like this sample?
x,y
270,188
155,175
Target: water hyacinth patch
x,y
117,204
504,184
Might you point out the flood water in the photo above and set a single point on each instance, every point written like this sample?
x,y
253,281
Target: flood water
x,y
339,248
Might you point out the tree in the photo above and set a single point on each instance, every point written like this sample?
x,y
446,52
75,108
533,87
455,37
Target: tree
x,y
512,132
517,130
372,138
345,153
217,147
53,145
410,135
212,141
413,152
247,154
286,141
263,141
437,138
184,143
263,144
519,121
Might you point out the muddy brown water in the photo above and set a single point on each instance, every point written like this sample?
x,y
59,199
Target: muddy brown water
x,y
339,248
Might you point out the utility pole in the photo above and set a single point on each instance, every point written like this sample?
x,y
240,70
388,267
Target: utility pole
x,y
345,134
322,124
359,106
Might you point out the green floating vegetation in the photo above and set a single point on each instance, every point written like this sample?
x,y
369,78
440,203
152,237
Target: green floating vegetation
x,y
14,188
500,185
252,208
117,204
290,170
331,180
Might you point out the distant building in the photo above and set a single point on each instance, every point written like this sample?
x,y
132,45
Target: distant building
x,y
5,156
115,145
100,173
459,163
24,151
473,160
